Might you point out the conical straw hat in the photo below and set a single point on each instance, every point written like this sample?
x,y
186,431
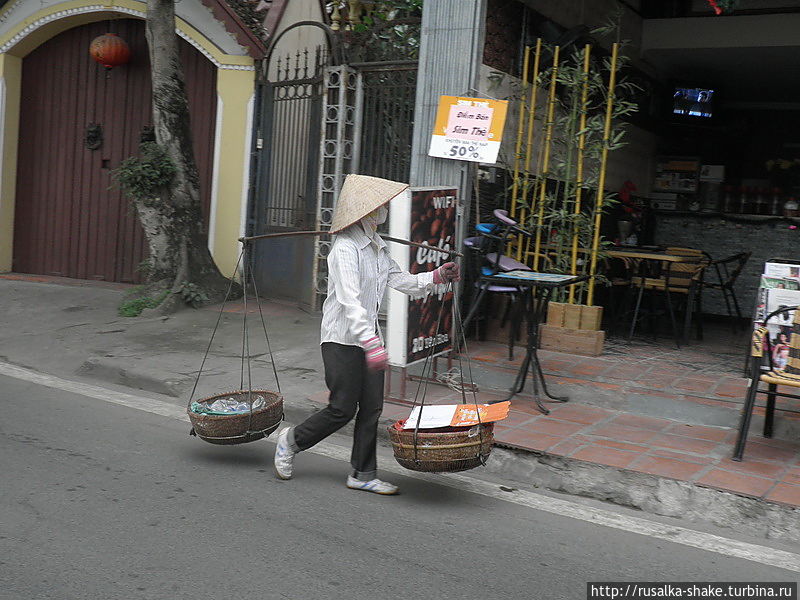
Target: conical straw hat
x,y
360,195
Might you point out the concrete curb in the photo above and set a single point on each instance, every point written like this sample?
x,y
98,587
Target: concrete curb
x,y
650,493
149,379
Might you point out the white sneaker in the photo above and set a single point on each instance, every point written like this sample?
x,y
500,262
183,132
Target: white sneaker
x,y
284,455
375,486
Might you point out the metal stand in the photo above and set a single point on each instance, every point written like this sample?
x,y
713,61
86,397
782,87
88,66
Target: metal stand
x,y
536,310
538,297
405,378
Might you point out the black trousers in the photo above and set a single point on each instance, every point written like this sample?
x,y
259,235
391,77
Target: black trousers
x,y
356,391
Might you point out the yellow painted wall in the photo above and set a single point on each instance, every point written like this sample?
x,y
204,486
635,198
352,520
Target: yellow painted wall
x,y
10,74
234,89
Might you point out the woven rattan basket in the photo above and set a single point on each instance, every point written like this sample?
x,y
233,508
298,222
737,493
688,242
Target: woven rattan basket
x,y
239,428
444,450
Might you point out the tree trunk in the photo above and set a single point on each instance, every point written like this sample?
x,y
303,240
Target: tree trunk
x,y
173,225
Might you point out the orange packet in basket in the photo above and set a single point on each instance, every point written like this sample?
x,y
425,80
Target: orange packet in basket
x,y
467,414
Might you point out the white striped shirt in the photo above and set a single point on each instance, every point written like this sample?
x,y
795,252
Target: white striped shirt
x,y
359,269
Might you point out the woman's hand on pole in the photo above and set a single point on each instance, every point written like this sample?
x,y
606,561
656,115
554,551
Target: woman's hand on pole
x,y
446,273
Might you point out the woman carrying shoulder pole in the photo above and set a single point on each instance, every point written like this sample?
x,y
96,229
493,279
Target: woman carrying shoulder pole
x,y
353,354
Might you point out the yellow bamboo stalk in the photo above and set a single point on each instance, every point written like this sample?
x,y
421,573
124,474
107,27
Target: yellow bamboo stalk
x,y
520,129
601,181
579,172
528,253
548,140
529,143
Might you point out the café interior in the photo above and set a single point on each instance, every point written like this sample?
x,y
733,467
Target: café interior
x,y
699,246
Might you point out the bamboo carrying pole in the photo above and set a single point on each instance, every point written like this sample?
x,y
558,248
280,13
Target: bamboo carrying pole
x,y
529,144
579,173
548,140
326,233
612,80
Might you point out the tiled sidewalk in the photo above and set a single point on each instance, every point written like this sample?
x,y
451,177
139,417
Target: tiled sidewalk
x,y
658,446
701,455
662,447
703,374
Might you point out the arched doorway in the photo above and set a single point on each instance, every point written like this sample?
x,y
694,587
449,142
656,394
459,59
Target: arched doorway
x,y
70,218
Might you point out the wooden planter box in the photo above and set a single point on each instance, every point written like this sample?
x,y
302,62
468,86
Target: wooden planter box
x,y
573,328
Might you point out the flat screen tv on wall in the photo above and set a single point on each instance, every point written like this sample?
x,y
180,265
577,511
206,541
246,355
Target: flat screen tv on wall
x,y
693,102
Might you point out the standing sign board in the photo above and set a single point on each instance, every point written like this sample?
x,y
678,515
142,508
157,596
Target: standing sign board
x,y
779,288
468,129
427,216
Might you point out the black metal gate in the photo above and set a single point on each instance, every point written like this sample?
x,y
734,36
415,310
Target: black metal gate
x,y
387,92
318,122
286,179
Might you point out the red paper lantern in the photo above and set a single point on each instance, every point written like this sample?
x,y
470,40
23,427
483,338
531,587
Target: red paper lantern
x,y
110,50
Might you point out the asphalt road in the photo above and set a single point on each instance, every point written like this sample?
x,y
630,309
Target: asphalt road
x,y
100,501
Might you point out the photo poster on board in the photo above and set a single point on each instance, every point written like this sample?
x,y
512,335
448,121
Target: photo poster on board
x,y
779,288
421,327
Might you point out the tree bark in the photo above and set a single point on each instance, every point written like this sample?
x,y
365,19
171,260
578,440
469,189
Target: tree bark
x,y
173,223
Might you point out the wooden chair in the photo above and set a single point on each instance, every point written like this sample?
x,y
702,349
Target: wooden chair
x,y
770,375
681,278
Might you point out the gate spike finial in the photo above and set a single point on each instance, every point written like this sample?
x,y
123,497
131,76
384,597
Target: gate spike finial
x,y
288,67
297,65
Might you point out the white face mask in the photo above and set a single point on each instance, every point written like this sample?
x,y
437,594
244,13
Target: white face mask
x,y
373,219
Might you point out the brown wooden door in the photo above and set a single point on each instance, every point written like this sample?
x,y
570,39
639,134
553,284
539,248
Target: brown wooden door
x,y
71,220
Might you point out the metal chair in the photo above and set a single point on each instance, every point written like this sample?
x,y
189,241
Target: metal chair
x,y
513,309
789,376
728,270
488,248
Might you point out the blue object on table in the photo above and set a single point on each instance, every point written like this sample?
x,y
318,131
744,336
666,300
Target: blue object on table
x,y
486,227
534,276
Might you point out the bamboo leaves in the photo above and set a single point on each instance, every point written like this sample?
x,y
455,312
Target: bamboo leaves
x,y
559,181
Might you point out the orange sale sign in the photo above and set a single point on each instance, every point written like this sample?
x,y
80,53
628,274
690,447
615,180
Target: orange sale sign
x,y
468,129
456,415
472,414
